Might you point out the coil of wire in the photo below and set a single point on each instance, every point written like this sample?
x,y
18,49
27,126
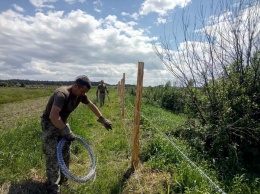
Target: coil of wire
x,y
63,166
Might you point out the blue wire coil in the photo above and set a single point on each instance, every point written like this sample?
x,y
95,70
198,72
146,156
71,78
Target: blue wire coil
x,y
63,166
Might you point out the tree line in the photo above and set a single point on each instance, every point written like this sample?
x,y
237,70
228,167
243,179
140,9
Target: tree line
x,y
23,83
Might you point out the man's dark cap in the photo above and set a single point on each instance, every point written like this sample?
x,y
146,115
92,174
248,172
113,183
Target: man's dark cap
x,y
83,80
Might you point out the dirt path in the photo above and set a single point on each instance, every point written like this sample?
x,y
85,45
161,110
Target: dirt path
x,y
11,113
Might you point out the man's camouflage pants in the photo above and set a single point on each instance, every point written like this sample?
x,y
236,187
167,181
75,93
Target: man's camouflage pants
x,y
101,99
50,139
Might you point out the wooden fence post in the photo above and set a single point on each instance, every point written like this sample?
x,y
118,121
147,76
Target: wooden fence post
x,y
123,96
135,158
118,88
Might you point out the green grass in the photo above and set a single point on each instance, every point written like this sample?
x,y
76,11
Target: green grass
x,y
16,94
161,169
21,150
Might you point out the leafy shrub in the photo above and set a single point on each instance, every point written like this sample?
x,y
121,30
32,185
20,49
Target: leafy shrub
x,y
167,97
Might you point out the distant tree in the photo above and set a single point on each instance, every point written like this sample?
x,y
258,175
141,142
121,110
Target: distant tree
x,y
167,84
22,84
3,84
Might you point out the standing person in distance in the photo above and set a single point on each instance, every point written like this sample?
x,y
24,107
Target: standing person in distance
x,y
102,89
54,127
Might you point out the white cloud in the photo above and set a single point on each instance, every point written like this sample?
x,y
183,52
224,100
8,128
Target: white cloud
x,y
161,20
97,10
125,14
70,1
134,16
98,6
42,3
98,2
161,6
59,46
18,8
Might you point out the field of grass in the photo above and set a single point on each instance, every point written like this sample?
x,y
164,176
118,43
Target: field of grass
x,y
21,158
162,169
8,95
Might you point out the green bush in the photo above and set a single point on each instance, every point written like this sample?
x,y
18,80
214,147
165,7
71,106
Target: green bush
x,y
167,97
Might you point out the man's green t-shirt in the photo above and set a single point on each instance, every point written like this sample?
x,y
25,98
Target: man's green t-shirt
x,y
102,88
64,99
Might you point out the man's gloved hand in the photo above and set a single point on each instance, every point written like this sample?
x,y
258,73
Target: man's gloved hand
x,y
66,132
107,124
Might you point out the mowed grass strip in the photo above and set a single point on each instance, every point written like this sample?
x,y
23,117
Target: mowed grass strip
x,y
16,94
19,104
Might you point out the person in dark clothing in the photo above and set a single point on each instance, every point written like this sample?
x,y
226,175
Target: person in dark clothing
x,y
102,89
54,127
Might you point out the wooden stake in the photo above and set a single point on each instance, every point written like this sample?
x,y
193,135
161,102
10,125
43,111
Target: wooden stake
x,y
135,158
123,96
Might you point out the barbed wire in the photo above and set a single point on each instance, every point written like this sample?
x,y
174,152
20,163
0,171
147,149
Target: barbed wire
x,y
182,153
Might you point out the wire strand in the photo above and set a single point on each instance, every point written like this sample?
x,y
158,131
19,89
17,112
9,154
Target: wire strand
x,y
186,157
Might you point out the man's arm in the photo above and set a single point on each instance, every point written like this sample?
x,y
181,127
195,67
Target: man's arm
x,y
57,122
97,90
55,118
105,122
107,90
94,109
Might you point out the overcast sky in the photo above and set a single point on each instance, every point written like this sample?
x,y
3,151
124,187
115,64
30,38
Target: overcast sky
x,y
61,39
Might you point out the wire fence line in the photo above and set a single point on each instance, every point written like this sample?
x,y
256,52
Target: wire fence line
x,y
202,173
